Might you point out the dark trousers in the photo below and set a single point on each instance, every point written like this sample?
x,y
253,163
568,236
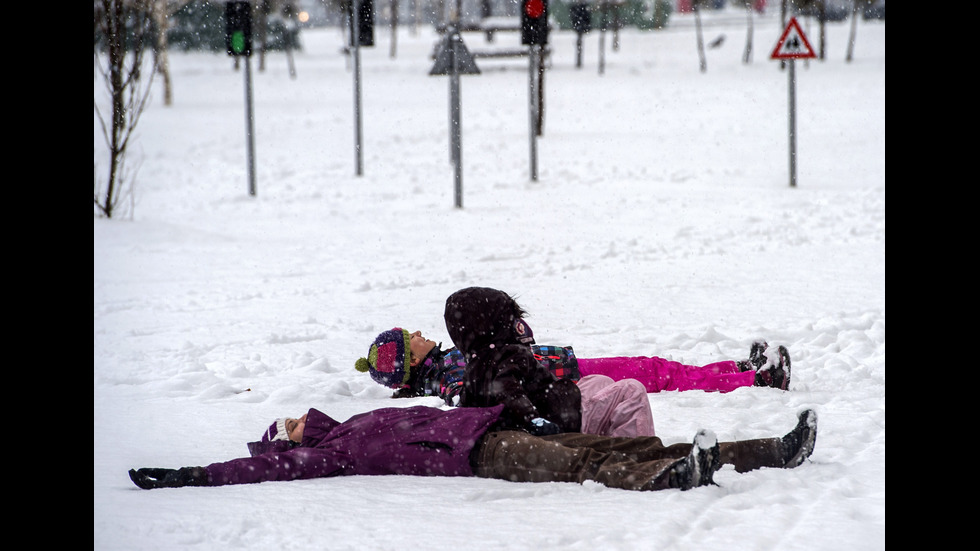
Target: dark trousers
x,y
640,463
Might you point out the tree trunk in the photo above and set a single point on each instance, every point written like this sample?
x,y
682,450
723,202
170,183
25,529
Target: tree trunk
x,y
617,7
747,56
159,10
697,26
289,14
115,35
261,27
823,28
394,28
850,39
123,83
783,7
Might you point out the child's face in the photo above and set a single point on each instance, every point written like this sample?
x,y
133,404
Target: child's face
x,y
420,347
295,428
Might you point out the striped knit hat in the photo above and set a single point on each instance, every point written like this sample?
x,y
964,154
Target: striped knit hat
x,y
389,358
276,431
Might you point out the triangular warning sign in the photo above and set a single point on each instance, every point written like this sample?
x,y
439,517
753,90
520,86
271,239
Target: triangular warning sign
x,y
452,46
793,43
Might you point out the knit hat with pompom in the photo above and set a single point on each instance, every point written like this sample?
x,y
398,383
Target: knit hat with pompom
x,y
389,358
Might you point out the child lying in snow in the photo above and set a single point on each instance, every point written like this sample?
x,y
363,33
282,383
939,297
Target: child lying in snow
x,y
611,391
427,441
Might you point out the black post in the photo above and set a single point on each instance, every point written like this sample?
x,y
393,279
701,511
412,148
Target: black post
x,y
238,43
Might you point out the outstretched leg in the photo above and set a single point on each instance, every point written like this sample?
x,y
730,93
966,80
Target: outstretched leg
x,y
786,452
641,463
659,374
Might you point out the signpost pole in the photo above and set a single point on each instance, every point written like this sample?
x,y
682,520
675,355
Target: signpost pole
x,y
238,43
792,45
455,124
453,59
534,34
533,108
792,123
356,55
250,134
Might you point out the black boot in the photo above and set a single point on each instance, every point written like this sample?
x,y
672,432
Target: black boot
x,y
698,468
756,357
775,373
798,443
757,354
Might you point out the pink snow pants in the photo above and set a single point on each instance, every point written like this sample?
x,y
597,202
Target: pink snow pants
x,y
658,374
614,408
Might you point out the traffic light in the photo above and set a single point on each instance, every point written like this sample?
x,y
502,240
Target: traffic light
x,y
534,22
238,28
365,23
581,17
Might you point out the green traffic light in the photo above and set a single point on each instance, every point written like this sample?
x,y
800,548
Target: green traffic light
x,y
238,42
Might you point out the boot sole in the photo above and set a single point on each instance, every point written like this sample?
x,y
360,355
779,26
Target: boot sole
x,y
705,458
786,364
809,418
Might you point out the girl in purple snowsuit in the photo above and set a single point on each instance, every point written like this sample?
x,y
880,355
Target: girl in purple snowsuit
x,y
467,441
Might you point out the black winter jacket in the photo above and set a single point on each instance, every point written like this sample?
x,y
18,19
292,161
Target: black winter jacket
x,y
500,368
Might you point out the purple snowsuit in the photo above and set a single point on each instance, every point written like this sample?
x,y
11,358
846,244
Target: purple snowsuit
x,y
417,440
427,441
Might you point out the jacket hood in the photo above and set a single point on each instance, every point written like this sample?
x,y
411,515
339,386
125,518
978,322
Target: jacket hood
x,y
480,317
318,426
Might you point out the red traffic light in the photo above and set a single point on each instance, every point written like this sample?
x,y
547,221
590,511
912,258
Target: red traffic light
x,y
534,22
534,8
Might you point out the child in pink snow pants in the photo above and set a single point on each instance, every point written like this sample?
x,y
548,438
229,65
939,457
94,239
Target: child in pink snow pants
x,y
614,390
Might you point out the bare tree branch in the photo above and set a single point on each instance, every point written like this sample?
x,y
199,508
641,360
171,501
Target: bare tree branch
x,y
124,26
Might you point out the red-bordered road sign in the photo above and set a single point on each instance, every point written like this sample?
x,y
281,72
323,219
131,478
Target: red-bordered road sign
x,y
793,43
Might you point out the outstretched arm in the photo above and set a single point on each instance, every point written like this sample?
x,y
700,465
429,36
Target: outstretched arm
x,y
298,463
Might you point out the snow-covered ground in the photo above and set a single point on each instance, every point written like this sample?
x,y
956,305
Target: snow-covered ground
x,y
661,223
